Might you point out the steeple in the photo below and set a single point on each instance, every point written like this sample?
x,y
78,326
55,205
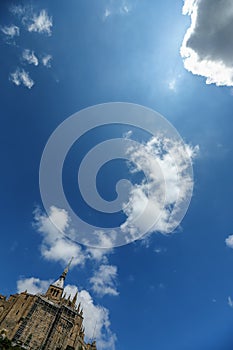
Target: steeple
x,y
60,282
55,289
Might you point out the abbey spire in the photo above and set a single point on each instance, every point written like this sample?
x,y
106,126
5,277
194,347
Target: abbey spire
x,y
55,289
60,282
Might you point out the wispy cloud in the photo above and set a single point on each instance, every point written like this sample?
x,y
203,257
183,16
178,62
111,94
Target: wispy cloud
x,y
30,57
21,77
104,280
172,85
207,47
230,301
116,7
18,10
10,31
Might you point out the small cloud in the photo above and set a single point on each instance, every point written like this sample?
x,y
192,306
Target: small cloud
x,y
41,23
128,134
131,278
172,85
17,10
161,286
10,31
104,280
32,285
124,9
30,57
229,241
230,301
21,77
116,8
107,13
160,250
46,60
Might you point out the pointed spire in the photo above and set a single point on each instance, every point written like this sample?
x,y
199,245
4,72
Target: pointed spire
x,y
74,299
64,273
60,282
79,307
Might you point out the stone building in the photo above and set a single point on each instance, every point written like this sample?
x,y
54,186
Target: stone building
x,y
47,321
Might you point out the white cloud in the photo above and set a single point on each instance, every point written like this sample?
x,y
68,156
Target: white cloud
x,y
34,22
172,85
159,250
55,246
17,10
207,47
30,57
229,241
104,280
41,23
230,301
96,319
46,60
10,31
164,163
32,285
20,76
107,13
116,7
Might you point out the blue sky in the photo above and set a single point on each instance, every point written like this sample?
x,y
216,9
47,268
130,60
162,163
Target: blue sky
x,y
168,290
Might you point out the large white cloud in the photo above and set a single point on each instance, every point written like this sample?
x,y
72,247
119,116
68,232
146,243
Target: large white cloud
x,y
207,47
60,247
163,162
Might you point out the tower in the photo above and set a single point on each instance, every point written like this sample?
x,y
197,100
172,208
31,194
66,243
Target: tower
x,y
47,321
55,290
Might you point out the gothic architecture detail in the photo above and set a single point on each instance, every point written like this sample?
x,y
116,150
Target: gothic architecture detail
x,y
47,321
